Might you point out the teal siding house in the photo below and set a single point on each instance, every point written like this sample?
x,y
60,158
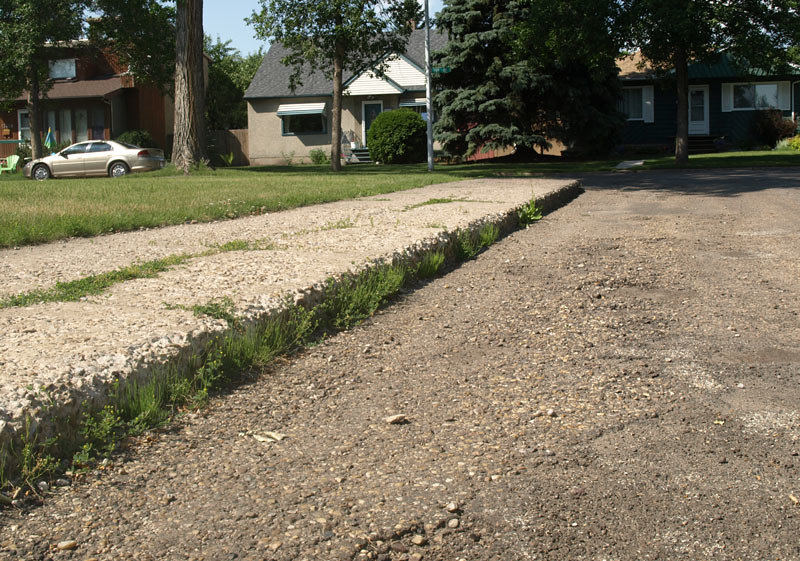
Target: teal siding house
x,y
723,100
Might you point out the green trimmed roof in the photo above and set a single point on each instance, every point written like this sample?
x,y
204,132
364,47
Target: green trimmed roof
x,y
726,66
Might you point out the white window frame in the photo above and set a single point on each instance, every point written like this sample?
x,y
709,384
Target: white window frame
x,y
70,71
783,100
20,128
648,114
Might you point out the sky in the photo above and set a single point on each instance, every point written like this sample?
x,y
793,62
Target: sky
x,y
225,19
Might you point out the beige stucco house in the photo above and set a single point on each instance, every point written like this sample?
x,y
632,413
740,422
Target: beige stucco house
x,y
285,125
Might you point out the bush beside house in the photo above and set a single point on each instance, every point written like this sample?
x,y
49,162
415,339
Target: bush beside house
x,y
397,137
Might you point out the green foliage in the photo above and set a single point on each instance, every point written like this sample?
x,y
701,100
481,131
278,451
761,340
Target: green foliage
x,y
526,72
141,33
101,431
218,308
794,143
469,243
488,235
35,461
318,156
72,291
769,126
529,213
229,75
353,299
397,137
466,246
430,264
227,159
141,138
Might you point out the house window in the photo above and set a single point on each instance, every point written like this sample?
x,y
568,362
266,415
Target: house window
x,y
637,103
755,96
65,125
64,68
24,124
632,103
304,124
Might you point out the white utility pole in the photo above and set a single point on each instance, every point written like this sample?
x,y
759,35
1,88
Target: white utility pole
x,y
428,94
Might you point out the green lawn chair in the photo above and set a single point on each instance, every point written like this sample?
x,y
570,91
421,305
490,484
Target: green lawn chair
x,y
10,165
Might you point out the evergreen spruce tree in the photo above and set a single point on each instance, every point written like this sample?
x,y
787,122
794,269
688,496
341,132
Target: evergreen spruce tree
x,y
526,72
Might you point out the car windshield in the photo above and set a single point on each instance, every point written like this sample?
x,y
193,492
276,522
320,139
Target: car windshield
x,y
126,145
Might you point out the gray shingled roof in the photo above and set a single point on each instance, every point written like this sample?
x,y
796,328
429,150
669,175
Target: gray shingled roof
x,y
272,77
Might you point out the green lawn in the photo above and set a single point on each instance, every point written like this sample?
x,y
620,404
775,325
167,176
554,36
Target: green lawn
x,y
36,212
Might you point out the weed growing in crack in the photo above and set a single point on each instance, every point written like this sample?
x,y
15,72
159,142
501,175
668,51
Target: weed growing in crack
x,y
488,235
73,291
354,299
341,224
466,246
529,213
35,461
430,264
435,201
218,308
469,244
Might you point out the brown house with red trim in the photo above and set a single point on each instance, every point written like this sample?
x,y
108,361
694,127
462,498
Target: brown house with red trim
x,y
92,97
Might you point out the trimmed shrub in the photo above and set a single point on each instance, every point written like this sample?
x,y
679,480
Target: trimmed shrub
x,y
770,126
794,143
139,138
397,137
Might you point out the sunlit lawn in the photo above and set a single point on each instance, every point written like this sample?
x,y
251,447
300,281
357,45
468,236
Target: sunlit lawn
x,y
36,212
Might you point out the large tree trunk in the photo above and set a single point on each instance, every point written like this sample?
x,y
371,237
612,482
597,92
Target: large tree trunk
x,y
188,146
336,126
682,132
33,114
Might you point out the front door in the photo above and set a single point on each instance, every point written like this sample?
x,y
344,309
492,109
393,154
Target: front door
x,y
370,110
698,110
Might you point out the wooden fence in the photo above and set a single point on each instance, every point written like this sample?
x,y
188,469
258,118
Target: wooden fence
x,y
8,147
230,141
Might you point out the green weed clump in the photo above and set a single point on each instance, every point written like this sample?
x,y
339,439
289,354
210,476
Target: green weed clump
x,y
354,299
430,265
470,244
529,213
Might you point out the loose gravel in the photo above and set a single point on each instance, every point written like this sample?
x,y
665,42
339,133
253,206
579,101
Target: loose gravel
x,y
618,381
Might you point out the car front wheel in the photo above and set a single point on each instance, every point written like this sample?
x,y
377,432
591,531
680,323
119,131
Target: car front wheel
x,y
41,172
118,169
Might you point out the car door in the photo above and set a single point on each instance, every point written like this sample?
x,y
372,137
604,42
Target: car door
x,y
69,162
96,158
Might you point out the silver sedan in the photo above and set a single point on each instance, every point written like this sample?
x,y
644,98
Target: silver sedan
x,y
95,158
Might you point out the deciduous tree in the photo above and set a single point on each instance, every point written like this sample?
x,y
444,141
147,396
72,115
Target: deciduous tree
x,y
188,147
29,32
332,36
229,74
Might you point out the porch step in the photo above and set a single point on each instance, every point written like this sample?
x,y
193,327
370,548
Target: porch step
x,y
701,145
362,155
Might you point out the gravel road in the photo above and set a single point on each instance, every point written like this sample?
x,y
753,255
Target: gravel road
x,y
617,382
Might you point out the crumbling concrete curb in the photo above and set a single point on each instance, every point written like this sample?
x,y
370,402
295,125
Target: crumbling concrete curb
x,y
56,408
